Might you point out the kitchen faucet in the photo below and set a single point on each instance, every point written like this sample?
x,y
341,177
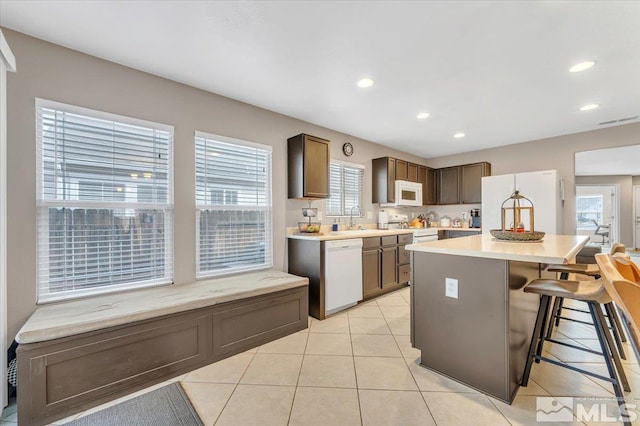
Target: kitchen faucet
x,y
352,224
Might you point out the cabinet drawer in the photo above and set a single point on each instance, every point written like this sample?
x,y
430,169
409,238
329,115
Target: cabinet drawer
x,y
370,243
390,240
404,274
405,239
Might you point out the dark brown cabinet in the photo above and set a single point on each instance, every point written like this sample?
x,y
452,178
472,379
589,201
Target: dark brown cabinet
x,y
387,170
384,179
308,167
380,265
412,172
427,177
401,170
471,182
461,184
448,185
404,258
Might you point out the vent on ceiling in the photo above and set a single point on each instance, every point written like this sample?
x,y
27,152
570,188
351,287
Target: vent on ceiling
x,y
621,120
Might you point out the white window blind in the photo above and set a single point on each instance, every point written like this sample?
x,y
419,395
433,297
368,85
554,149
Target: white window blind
x,y
346,184
105,202
233,206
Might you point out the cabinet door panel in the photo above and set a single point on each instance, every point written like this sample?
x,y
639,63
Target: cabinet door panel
x,y
472,183
401,170
429,192
449,185
412,172
404,256
391,181
370,272
316,168
388,259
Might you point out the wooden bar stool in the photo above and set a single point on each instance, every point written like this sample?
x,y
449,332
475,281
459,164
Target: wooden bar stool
x,y
594,294
591,270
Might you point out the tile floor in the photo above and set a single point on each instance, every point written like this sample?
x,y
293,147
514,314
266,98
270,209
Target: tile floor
x,y
358,368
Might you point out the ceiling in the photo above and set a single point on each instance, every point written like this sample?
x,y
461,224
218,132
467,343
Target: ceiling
x,y
620,161
497,71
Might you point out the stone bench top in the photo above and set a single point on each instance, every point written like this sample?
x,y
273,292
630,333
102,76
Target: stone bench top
x,y
74,317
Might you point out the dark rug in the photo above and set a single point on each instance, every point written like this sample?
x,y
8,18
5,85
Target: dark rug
x,y
167,406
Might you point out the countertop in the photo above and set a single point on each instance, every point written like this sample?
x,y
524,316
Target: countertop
x,y
557,249
451,228
357,233
63,319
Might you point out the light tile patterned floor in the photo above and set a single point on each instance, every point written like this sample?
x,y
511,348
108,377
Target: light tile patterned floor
x,y
358,368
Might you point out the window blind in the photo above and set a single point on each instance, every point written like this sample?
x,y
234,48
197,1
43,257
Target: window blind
x,y
104,202
346,183
233,206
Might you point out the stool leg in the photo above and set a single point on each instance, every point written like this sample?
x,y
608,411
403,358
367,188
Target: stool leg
x,y
536,337
615,328
547,324
558,312
555,311
605,344
616,319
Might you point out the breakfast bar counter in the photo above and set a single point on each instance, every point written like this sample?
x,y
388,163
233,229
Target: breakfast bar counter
x,y
470,318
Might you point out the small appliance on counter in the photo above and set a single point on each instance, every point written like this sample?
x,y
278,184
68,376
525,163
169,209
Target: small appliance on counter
x,y
445,221
383,220
398,221
475,218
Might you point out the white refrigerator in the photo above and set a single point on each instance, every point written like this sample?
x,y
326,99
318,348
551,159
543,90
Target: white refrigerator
x,y
543,188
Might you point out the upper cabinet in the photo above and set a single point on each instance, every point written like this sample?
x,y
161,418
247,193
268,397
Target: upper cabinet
x,y
308,167
427,177
471,182
387,170
384,177
461,184
448,186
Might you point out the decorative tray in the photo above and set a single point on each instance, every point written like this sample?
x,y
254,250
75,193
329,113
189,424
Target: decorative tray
x,y
516,236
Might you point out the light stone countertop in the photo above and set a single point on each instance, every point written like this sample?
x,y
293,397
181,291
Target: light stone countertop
x,y
554,249
343,235
63,319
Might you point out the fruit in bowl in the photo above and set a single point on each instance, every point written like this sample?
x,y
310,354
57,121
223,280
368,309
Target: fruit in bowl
x,y
309,228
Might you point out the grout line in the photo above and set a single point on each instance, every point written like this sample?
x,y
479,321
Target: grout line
x,y
295,391
236,385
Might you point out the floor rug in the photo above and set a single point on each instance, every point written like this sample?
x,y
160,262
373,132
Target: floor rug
x,y
167,406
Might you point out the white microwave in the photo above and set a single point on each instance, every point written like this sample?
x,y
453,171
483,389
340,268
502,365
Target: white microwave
x,y
407,194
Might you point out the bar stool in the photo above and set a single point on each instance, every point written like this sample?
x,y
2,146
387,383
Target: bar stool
x,y
594,294
591,270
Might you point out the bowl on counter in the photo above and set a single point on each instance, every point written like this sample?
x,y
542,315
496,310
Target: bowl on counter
x,y
309,228
499,234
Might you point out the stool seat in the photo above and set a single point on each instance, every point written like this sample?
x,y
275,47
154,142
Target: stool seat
x,y
588,291
591,269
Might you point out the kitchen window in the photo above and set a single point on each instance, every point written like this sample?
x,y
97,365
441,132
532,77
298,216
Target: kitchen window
x,y
346,183
104,202
233,206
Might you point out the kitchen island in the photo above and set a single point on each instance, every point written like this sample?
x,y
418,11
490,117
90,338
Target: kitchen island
x,y
470,318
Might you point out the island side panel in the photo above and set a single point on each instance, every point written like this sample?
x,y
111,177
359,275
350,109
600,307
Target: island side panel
x,y
306,259
523,308
465,338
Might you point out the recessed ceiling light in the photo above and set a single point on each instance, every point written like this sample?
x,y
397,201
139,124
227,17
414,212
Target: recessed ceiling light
x,y
582,66
422,115
589,107
459,135
365,82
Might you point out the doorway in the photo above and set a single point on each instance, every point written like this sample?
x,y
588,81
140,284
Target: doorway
x,y
597,213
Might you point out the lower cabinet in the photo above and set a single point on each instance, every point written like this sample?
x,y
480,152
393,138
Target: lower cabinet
x,y
381,269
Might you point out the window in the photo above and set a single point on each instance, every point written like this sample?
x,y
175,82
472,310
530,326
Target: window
x,y
346,182
233,206
104,200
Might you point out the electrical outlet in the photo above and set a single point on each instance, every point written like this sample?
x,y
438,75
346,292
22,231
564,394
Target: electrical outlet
x,y
369,215
319,215
451,287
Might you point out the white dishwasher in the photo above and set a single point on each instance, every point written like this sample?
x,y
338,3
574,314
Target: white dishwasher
x,y
342,274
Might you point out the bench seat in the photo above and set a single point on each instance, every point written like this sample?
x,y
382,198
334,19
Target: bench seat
x,y
78,354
